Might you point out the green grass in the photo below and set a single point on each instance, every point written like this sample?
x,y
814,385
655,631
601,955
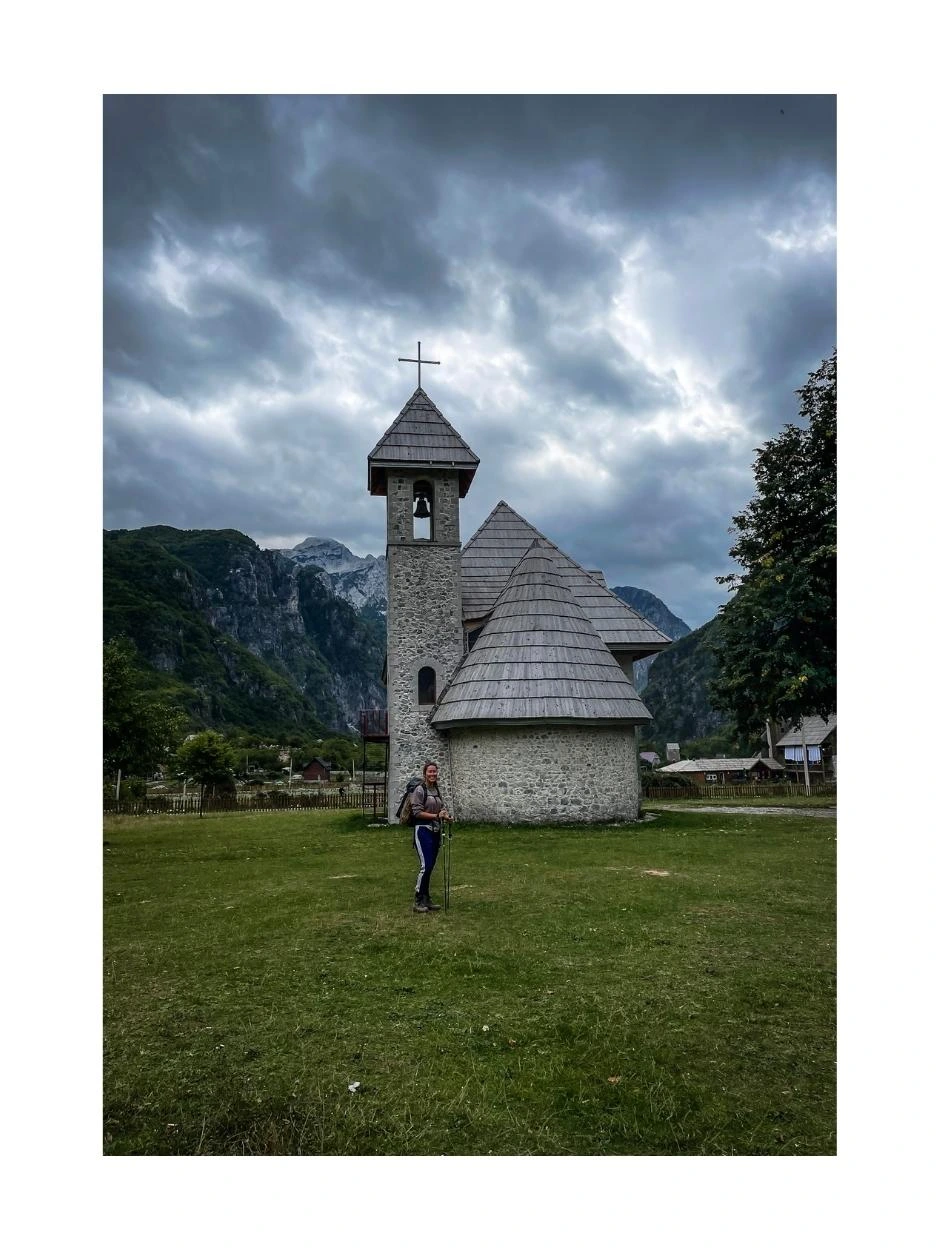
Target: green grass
x,y
256,965
774,800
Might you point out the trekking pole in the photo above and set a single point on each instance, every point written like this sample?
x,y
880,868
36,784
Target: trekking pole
x,y
448,836
446,868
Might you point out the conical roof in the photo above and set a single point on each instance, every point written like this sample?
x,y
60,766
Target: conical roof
x,y
420,435
489,557
538,658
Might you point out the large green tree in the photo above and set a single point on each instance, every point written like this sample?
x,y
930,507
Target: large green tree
x,y
140,728
209,759
775,642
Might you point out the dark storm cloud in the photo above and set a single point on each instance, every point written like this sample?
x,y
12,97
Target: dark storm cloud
x,y
653,151
201,159
598,368
356,231
225,336
643,279
784,331
533,244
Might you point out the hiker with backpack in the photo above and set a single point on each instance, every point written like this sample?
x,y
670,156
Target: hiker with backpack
x,y
427,812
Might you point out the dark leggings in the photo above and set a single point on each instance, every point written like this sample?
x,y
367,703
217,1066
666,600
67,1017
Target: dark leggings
x,y
427,844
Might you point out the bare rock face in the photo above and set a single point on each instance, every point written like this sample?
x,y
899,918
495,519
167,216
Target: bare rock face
x,y
361,580
261,640
653,608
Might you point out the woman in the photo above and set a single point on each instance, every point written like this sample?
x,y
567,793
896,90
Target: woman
x,y
428,811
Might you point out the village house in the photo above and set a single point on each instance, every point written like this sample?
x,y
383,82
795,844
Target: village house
x,y
820,737
508,663
317,770
727,771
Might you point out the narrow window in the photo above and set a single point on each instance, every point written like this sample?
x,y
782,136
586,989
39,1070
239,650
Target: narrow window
x,y
423,511
427,686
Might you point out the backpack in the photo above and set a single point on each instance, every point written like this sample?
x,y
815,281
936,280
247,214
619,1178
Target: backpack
x,y
404,812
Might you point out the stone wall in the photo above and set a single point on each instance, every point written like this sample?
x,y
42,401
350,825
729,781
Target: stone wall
x,y
553,773
424,621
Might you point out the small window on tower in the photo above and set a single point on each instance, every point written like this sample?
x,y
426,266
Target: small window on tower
x,y
423,510
427,686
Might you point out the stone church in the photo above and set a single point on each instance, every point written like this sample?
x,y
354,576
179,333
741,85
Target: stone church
x,y
508,663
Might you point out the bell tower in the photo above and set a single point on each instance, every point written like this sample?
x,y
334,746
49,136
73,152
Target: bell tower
x,y
424,468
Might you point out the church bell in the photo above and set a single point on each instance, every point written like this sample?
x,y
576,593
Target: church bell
x,y
422,511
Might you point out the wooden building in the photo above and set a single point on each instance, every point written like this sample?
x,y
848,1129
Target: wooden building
x,y
820,738
317,770
724,771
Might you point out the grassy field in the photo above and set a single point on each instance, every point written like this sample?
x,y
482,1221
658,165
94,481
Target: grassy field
x,y
664,988
773,800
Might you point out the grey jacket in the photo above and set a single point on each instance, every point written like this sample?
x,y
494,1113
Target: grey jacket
x,y
425,799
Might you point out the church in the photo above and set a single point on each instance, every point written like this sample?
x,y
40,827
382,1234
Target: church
x,y
508,663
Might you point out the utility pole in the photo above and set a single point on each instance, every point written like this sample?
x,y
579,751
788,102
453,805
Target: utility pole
x,y
805,761
117,788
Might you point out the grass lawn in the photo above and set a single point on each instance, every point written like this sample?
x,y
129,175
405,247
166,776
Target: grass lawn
x,y
664,988
773,800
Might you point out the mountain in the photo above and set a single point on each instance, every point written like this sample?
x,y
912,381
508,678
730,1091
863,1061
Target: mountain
x,y
677,695
361,580
655,611
272,641
240,637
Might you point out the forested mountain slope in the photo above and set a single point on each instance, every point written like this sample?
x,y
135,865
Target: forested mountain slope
x,y
239,636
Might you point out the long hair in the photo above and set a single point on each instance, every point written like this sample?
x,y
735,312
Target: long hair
x,y
424,771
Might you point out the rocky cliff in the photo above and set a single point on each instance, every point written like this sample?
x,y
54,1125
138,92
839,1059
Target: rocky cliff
x,y
361,580
277,640
655,611
240,636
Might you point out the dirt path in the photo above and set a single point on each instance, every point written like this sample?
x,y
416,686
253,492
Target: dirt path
x,y
824,812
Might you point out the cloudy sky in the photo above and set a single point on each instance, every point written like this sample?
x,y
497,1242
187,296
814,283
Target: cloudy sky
x,y
623,292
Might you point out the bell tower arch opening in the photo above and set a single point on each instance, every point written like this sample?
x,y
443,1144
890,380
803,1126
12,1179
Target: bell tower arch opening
x,y
423,511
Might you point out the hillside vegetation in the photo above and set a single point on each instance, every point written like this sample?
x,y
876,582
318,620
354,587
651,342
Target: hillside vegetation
x,y
236,636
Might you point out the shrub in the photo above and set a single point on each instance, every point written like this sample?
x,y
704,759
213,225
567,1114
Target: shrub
x,y
666,781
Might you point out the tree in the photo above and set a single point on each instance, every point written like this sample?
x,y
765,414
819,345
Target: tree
x,y
208,759
775,644
340,751
140,729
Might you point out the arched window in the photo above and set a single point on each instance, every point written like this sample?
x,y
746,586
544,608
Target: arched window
x,y
427,686
423,510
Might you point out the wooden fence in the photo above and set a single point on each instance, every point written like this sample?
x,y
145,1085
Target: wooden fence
x,y
371,800
788,789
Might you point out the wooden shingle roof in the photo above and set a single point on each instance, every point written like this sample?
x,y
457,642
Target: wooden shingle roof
x,y
489,557
815,728
538,659
420,435
721,765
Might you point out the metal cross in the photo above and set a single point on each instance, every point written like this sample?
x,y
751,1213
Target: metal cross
x,y
419,362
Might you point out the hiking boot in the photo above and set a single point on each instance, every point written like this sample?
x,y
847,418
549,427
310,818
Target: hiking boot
x,y
420,905
429,905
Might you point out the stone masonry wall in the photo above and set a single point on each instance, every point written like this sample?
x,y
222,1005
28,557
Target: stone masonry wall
x,y
424,622
554,773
